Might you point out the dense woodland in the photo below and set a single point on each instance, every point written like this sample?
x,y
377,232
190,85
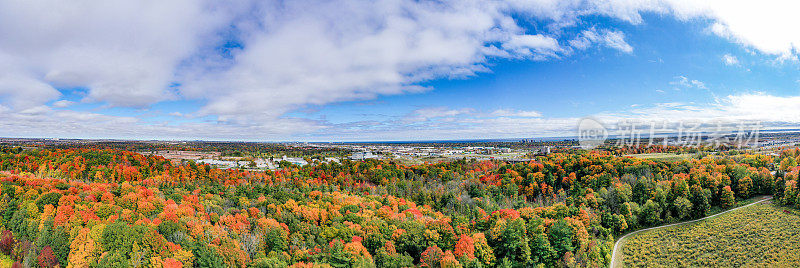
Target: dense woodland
x,y
115,208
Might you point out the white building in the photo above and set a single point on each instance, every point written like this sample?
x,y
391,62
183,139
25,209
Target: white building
x,y
362,156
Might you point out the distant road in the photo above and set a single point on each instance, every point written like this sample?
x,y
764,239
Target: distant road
x,y
616,258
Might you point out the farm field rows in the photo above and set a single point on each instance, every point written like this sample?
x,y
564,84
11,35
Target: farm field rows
x,y
760,235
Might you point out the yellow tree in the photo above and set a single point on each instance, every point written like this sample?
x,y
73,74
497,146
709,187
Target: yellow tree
x,y
82,250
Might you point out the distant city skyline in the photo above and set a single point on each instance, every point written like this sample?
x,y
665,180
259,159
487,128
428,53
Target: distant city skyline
x,y
397,70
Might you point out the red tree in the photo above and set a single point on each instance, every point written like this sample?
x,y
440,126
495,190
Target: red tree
x,y
431,257
46,257
465,247
7,242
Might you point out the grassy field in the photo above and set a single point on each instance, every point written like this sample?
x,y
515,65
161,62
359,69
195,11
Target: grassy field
x,y
662,156
760,235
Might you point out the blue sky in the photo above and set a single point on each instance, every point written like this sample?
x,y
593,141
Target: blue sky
x,y
599,79
389,70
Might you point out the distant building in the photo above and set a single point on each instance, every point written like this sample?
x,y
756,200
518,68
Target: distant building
x,y
295,160
362,156
218,163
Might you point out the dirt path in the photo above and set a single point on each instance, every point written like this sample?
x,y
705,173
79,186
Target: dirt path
x,y
616,256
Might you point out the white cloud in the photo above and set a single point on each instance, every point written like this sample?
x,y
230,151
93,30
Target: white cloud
x,y
728,110
425,114
440,112
44,122
730,60
312,52
24,92
698,84
506,112
767,26
768,109
682,82
612,39
760,106
616,40
63,104
124,52
533,45
433,123
304,52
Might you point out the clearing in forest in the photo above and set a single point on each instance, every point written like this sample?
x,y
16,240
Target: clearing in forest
x,y
759,235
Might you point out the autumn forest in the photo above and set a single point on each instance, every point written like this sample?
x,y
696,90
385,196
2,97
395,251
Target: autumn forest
x,y
94,207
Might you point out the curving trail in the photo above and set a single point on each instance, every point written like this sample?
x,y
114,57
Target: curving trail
x,y
616,258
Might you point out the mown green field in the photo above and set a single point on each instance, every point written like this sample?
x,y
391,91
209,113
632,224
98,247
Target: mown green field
x,y
671,157
756,236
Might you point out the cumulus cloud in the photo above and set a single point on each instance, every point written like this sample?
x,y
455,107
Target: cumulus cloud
x,y
249,63
24,92
524,45
766,26
318,52
124,52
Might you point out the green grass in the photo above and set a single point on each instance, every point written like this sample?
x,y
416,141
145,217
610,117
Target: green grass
x,y
759,235
670,157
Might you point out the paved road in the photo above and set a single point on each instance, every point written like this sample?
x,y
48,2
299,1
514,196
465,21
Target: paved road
x,y
616,259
